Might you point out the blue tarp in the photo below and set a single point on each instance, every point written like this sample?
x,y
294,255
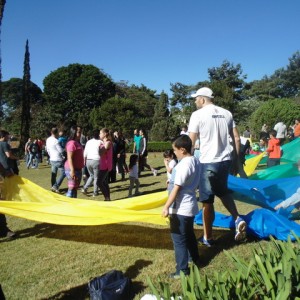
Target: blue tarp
x,y
262,223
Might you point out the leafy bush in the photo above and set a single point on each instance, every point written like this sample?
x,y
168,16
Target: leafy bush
x,y
273,273
154,146
159,146
273,111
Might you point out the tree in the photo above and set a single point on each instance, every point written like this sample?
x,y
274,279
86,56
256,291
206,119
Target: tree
x,y
25,117
12,93
231,75
116,114
290,77
182,105
75,90
145,100
262,90
272,111
2,5
283,83
159,130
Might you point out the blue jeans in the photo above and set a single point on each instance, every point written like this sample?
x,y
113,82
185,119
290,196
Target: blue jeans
x,y
55,166
93,169
213,180
33,156
184,241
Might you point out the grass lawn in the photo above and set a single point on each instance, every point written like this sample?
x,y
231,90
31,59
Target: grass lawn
x,y
56,262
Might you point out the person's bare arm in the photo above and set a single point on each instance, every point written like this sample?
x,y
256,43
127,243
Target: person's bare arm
x,y
71,165
193,136
236,144
171,199
237,139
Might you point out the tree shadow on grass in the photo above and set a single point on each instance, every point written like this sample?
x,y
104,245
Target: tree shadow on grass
x,y
81,292
131,235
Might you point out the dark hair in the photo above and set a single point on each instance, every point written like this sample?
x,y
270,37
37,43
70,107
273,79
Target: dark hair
x,y
273,132
96,134
133,160
3,133
183,141
73,132
54,130
169,153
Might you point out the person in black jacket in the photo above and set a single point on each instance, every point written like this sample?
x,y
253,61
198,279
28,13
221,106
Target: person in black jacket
x,y
121,153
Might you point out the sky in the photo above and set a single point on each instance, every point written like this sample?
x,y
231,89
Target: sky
x,y
149,42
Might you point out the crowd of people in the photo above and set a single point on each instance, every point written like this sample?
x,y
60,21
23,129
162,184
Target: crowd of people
x,y
198,165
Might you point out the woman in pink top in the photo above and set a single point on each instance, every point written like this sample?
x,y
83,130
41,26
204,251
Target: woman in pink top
x,y
74,162
105,166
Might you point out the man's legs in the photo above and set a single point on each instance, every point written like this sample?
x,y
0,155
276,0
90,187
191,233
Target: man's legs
x,y
90,169
55,166
208,217
54,169
226,197
62,175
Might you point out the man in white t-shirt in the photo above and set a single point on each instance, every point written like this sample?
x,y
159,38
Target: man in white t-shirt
x,y
214,125
56,156
281,130
92,160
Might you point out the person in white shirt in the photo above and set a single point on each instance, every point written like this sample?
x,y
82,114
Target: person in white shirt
x,y
170,162
56,155
214,127
92,160
281,130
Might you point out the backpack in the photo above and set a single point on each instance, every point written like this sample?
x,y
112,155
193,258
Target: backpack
x,y
112,285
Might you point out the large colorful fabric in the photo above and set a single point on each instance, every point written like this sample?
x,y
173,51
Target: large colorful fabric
x,y
30,201
262,223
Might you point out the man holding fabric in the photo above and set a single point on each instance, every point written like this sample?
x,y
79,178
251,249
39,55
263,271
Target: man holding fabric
x,y
214,126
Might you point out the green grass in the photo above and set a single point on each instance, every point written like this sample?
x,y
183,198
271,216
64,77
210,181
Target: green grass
x,y
56,262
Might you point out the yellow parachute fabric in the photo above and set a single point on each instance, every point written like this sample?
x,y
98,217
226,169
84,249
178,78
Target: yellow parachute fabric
x,y
251,163
27,200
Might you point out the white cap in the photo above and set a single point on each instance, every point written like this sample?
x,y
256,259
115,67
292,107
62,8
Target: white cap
x,y
205,92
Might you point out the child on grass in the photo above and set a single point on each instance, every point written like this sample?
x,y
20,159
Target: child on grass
x,y
273,150
170,162
181,206
134,175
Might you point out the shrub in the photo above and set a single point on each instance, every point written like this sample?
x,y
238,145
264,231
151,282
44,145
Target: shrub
x,y
273,273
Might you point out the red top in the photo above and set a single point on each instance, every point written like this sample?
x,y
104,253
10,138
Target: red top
x,y
274,149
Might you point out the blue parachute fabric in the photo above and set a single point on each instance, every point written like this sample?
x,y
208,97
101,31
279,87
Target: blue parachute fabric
x,y
264,193
262,223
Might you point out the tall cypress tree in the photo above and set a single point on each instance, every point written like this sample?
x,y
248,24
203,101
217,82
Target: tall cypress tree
x,y
25,119
2,4
159,130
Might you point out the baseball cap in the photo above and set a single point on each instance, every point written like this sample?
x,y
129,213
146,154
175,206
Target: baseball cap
x,y
205,92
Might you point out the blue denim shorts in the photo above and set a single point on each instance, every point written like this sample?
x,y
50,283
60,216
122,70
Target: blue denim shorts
x,y
213,180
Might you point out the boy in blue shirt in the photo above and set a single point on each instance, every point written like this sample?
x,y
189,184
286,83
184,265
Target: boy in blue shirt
x,y
181,206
